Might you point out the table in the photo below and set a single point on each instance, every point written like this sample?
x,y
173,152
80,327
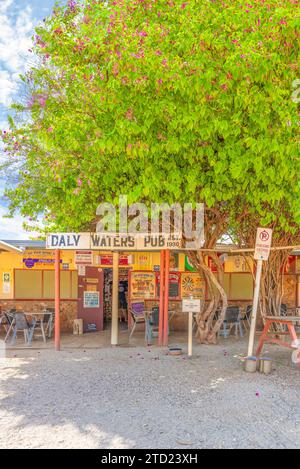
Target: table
x,y
288,321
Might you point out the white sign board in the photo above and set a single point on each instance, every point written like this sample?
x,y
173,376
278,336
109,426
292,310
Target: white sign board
x,y
84,258
263,244
191,306
116,242
68,241
91,299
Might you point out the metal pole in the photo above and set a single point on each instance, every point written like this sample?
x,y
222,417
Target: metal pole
x,y
166,299
161,299
57,300
190,339
115,301
254,309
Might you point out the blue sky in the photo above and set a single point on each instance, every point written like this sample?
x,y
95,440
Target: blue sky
x,y
18,19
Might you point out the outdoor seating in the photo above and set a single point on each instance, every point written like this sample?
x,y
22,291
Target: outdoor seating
x,y
138,314
8,322
152,325
232,319
21,323
48,320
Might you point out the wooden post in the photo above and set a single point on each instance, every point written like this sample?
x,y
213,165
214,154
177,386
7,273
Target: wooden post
x,y
161,299
166,299
57,300
190,338
254,309
115,301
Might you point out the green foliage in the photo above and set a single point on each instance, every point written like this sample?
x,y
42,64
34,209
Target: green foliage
x,y
163,101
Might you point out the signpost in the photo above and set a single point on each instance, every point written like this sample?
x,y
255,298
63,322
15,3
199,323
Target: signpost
x,y
191,306
262,252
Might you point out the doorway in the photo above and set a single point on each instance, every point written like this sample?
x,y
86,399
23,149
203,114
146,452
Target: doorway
x,y
123,295
90,299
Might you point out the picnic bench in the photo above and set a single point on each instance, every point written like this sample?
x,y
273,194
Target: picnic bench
x,y
271,337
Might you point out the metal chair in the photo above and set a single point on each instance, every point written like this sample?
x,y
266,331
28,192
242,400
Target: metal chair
x,y
48,320
9,318
152,325
21,324
232,319
137,312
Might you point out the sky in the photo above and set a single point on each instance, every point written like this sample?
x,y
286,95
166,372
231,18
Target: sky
x,y
18,18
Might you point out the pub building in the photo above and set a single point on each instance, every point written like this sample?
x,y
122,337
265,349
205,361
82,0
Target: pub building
x,y
87,278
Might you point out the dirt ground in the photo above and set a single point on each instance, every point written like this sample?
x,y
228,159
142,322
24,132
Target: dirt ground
x,y
140,397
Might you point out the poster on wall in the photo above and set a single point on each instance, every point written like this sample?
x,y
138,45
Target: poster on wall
x,y
142,285
91,299
174,285
192,285
6,282
81,270
84,258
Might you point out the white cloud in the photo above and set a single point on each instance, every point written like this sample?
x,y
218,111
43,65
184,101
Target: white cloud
x,y
12,228
15,40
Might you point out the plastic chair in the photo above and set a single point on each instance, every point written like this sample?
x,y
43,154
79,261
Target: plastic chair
x,y
21,324
232,319
137,312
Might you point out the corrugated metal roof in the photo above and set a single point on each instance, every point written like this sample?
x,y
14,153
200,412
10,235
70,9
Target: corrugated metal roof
x,y
32,244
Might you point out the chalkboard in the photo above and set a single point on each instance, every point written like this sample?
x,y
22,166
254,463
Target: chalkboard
x,y
174,285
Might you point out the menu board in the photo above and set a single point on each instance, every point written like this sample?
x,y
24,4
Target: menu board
x,y
174,285
142,285
192,285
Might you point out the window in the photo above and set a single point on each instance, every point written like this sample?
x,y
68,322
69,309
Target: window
x,y
40,284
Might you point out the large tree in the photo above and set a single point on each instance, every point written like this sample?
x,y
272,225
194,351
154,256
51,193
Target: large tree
x,y
165,101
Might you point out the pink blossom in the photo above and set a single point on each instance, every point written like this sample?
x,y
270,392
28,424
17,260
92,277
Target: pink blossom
x,y
164,62
183,6
79,182
42,101
50,129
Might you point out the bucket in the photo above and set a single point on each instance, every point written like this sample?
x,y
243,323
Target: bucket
x,y
78,327
265,365
251,364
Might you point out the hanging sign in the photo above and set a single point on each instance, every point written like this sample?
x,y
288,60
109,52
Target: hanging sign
x,y
263,244
84,258
68,241
115,241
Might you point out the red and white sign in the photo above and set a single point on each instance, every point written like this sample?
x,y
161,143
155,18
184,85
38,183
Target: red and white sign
x,y
263,244
108,260
84,258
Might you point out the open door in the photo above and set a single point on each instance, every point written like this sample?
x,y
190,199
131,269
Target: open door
x,y
90,299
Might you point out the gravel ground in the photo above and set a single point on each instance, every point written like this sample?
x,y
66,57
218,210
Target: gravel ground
x,y
142,398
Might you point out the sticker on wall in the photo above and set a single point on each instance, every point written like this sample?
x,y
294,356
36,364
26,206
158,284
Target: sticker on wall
x,y
81,270
6,282
91,299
